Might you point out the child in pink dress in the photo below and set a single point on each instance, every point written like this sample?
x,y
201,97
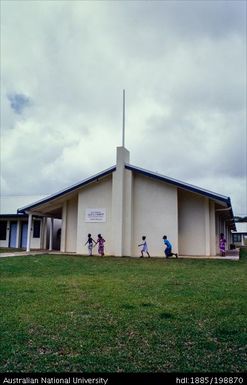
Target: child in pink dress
x,y
101,242
222,245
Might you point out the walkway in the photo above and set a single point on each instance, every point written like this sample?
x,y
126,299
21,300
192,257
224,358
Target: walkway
x,y
23,253
232,255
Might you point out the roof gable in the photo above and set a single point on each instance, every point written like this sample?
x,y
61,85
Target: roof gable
x,y
186,186
68,190
182,185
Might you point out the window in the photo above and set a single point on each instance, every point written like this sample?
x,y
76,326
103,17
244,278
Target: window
x,y
3,230
236,238
36,229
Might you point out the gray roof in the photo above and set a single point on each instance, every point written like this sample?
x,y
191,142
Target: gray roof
x,y
183,185
68,190
212,195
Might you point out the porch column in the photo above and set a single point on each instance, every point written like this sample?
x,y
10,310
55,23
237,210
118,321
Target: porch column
x,y
226,236
18,233
51,233
229,237
44,232
8,234
207,228
212,229
64,226
29,228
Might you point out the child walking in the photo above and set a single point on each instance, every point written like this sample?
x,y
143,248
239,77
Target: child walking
x,y
100,242
168,250
222,245
90,242
144,247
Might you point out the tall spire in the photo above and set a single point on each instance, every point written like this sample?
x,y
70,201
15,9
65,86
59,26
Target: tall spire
x,y
123,138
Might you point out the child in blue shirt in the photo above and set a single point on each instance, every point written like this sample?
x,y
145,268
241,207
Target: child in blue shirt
x,y
168,250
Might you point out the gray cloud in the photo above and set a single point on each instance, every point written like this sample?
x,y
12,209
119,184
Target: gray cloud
x,y
182,65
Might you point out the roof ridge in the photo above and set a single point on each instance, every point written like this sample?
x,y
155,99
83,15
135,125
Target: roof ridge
x,y
176,181
68,189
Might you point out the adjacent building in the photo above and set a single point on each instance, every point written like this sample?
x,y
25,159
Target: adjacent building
x,y
239,237
14,226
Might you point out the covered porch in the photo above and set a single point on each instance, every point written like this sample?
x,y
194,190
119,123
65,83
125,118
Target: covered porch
x,y
53,214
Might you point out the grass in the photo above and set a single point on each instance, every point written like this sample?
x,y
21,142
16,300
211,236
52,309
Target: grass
x,y
93,314
10,249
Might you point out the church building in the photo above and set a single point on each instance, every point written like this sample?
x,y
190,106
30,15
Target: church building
x,y
125,202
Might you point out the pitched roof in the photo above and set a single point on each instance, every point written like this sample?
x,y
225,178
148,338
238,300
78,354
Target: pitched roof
x,y
183,185
10,203
68,190
186,186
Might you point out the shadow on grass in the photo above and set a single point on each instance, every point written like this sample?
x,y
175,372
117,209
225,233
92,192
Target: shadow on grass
x,y
166,315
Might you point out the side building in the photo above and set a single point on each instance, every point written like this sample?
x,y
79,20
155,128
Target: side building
x,y
14,226
239,237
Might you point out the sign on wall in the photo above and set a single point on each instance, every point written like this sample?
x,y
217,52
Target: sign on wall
x,y
95,215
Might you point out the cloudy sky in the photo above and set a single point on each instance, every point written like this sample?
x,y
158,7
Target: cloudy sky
x,y
65,64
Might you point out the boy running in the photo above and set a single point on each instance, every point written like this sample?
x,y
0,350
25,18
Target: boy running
x,y
144,247
168,250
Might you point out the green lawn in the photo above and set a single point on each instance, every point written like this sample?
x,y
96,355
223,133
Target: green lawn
x,y
10,249
94,314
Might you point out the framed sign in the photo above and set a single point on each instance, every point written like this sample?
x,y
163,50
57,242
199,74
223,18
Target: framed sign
x,y
95,215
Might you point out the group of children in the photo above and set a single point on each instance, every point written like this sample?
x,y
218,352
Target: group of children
x,y
91,243
168,250
100,241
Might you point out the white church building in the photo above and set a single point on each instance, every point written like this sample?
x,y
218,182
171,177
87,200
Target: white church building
x,y
125,202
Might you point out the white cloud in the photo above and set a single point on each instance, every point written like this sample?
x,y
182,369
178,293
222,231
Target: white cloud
x,y
182,65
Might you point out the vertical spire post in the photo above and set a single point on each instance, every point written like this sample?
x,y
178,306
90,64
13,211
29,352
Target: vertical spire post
x,y
123,138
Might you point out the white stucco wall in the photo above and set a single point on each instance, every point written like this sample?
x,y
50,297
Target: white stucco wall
x,y
71,228
128,214
193,219
119,182
35,243
154,214
96,195
4,243
213,238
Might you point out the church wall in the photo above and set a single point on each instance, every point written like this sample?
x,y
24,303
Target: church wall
x,y
193,224
97,195
71,228
128,214
154,214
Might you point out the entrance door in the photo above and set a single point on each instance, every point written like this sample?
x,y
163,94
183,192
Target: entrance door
x,y
13,234
24,235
